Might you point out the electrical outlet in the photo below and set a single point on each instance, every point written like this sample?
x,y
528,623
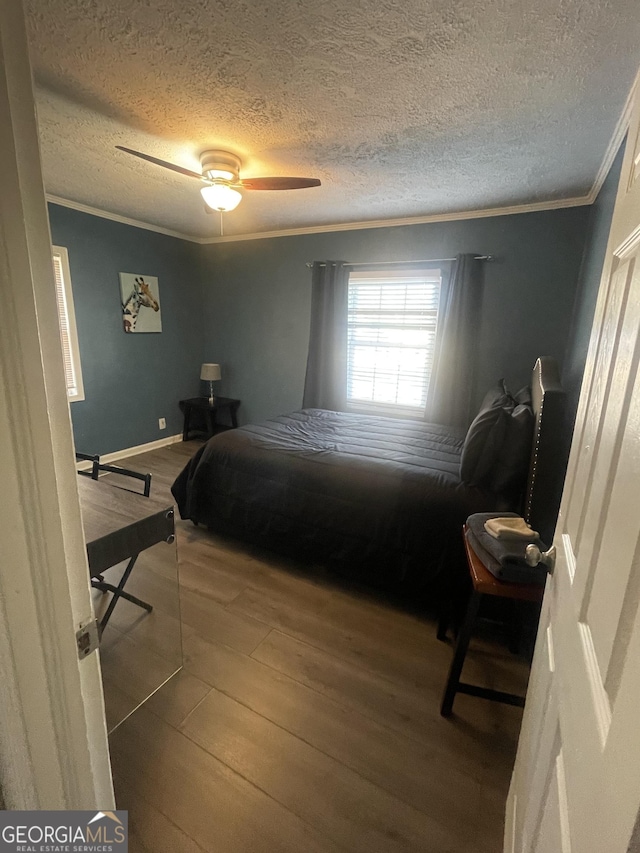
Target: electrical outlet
x,y
162,424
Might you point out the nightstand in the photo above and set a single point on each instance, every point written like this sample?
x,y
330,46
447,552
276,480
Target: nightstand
x,y
199,413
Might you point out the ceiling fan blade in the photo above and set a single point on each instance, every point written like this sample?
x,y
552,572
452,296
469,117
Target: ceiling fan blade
x,y
278,183
163,163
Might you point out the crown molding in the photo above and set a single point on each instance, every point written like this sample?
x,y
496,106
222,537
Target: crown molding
x,y
411,220
116,217
324,229
615,142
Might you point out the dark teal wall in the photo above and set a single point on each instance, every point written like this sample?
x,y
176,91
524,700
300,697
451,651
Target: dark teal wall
x,y
598,228
130,380
257,297
246,305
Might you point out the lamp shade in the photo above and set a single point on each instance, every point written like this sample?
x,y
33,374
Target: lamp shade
x,y
210,372
221,197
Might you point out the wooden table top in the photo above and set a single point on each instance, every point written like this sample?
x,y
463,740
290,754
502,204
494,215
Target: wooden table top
x,y
118,524
203,402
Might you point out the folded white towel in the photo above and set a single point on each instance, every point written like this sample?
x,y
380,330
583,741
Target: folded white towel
x,y
509,528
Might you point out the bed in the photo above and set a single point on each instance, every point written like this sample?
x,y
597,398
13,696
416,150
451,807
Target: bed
x,y
378,499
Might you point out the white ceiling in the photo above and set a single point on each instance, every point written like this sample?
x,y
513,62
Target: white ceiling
x,y
403,108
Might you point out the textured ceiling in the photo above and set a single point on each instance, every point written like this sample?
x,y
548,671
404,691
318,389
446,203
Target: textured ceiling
x,y
401,107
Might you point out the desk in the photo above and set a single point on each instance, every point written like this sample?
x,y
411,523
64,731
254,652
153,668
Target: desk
x,y
137,655
210,413
119,525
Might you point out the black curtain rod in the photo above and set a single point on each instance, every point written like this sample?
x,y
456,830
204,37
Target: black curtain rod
x,y
402,263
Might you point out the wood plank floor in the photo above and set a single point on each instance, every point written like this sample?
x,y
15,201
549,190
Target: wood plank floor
x,y
306,717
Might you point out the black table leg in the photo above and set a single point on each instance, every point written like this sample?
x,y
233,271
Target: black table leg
x,y
213,422
459,655
118,592
187,415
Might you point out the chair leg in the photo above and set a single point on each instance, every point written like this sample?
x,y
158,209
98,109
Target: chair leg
x,y
444,619
119,592
454,592
514,628
459,655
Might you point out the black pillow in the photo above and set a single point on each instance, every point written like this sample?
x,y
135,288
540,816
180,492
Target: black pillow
x,y
524,396
498,395
511,464
484,440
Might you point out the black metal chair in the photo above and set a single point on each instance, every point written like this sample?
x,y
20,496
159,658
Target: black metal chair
x,y
98,581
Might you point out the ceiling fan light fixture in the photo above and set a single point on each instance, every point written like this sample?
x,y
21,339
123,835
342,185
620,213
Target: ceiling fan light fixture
x,y
221,197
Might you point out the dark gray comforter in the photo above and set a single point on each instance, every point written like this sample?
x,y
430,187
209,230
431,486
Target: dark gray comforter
x,y
377,498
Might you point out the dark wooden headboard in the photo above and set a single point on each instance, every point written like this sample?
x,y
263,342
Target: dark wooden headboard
x,y
549,455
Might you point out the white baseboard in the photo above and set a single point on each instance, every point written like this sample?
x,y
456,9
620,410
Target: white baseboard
x,y
132,451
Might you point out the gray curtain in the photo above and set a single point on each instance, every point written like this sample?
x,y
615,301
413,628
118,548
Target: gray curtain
x,y
326,379
452,386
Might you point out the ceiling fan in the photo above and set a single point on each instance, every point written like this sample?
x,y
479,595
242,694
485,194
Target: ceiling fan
x,y
221,174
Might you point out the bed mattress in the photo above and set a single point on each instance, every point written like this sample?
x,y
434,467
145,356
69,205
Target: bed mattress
x,y
377,498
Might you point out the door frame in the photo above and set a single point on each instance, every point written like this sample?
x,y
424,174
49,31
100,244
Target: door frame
x,y
53,739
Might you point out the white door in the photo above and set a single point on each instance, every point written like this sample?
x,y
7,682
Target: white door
x,y
53,741
576,783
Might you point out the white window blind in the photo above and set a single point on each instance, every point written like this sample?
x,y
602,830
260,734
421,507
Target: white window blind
x,y
392,325
67,319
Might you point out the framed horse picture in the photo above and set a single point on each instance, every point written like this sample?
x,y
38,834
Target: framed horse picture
x,y
140,303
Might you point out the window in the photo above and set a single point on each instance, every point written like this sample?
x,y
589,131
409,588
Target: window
x,y
392,324
67,318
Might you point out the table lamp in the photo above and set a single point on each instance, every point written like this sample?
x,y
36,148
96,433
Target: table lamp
x,y
210,373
